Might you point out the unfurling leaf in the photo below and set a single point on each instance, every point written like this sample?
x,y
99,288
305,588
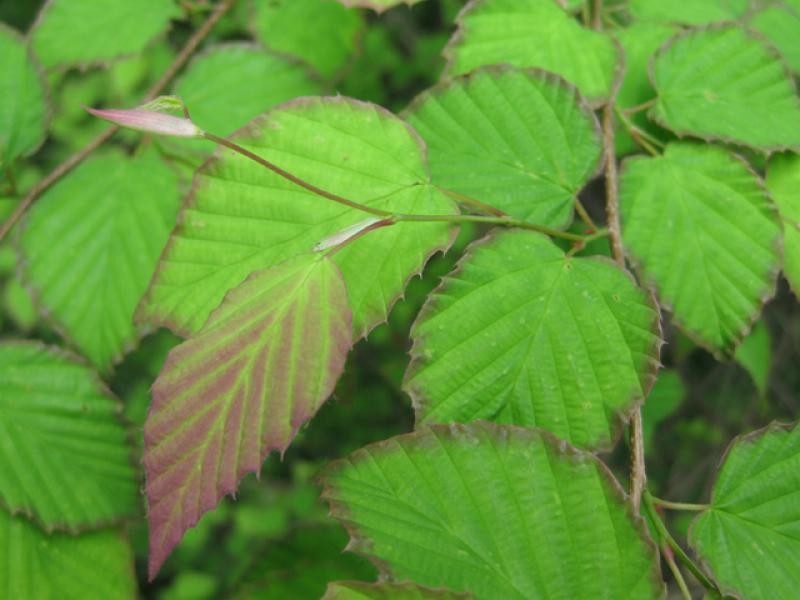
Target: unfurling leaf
x,y
265,361
150,120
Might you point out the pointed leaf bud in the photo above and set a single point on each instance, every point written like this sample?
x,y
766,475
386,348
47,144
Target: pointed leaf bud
x,y
152,117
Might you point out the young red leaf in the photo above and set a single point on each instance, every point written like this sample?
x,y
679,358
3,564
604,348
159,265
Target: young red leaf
x,y
262,365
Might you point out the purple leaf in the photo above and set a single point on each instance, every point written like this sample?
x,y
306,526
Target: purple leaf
x,y
260,367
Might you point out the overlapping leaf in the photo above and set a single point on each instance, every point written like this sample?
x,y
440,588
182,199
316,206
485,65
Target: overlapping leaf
x,y
227,86
91,244
722,83
707,236
356,590
67,459
503,512
749,535
242,217
262,365
696,12
321,32
38,566
522,141
522,334
81,32
533,33
783,181
780,25
23,104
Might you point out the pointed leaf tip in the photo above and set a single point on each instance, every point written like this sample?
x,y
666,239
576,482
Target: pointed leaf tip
x,y
149,120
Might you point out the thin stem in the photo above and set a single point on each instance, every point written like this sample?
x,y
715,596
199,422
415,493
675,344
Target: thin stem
x,y
296,180
597,14
470,201
504,221
666,536
397,217
669,557
581,210
582,244
79,156
678,505
638,476
641,107
640,136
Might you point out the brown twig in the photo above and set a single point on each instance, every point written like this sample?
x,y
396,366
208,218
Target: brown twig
x,y
78,157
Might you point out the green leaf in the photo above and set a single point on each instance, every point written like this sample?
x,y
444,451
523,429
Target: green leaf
x,y
385,590
695,12
37,566
783,182
84,32
24,112
639,41
377,5
780,26
227,86
242,217
663,400
522,141
111,217
66,457
755,356
323,33
18,305
533,33
721,83
749,537
265,361
706,234
503,512
522,334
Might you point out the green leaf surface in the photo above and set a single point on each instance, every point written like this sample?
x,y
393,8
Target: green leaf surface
x,y
783,182
385,590
323,33
242,217
24,112
265,361
83,32
706,235
37,566
521,141
503,512
232,83
67,461
755,356
749,536
90,245
522,334
18,305
533,33
683,12
722,83
780,25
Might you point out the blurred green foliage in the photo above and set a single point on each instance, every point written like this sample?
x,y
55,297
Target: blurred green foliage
x,y
275,540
